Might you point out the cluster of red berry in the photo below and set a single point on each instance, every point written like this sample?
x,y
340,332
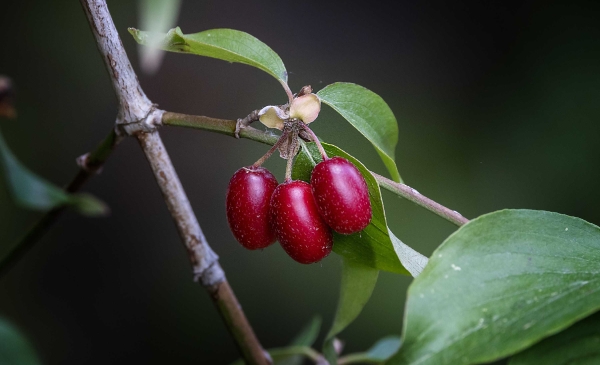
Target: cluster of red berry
x,y
299,215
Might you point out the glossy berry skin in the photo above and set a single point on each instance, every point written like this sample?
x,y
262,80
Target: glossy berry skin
x,y
248,197
342,195
301,231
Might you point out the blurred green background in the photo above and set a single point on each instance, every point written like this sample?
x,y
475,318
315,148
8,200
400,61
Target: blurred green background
x,y
498,106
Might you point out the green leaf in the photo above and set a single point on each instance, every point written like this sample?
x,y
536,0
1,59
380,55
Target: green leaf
x,y
377,354
14,348
383,349
498,285
413,261
280,355
88,205
224,44
358,282
299,348
372,247
307,337
156,16
370,115
34,192
577,345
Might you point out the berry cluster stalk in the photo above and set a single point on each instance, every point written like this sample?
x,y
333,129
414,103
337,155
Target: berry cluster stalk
x,y
227,127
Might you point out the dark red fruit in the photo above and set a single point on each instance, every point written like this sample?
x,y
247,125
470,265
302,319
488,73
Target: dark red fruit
x,y
248,197
301,231
342,195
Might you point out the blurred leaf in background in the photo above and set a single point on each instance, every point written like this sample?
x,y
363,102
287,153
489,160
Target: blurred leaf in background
x,y
156,16
14,347
28,189
34,192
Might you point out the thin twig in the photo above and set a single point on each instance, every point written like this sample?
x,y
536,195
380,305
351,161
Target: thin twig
x,y
414,196
138,117
227,127
90,164
221,126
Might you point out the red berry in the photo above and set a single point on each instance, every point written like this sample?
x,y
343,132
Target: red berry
x,y
248,197
342,195
301,231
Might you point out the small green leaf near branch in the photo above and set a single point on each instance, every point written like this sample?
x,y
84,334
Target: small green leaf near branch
x,y
224,44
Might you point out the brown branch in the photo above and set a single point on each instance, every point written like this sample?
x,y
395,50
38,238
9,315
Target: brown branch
x,y
134,105
138,117
204,261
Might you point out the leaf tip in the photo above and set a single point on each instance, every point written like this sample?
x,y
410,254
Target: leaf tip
x,y
89,205
137,34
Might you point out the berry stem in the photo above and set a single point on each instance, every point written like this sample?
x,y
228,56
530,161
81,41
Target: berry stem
x,y
292,150
316,140
277,144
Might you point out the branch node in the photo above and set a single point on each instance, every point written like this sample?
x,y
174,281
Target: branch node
x,y
242,123
209,276
83,162
149,123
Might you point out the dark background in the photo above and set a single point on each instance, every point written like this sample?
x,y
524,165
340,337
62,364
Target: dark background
x,y
497,104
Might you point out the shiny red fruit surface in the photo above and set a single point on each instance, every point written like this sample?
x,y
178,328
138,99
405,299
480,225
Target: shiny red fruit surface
x,y
342,195
301,231
248,197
